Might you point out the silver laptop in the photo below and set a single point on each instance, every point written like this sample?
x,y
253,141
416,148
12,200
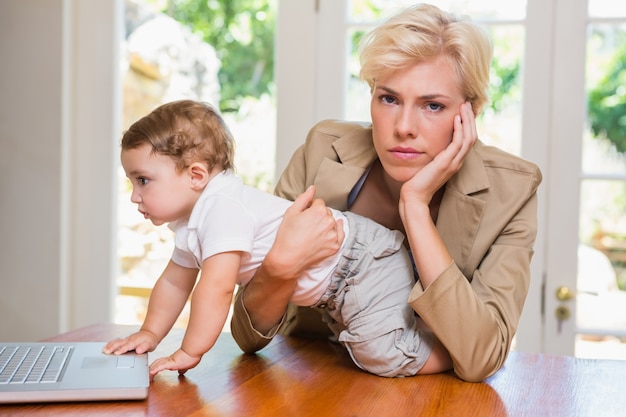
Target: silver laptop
x,y
78,371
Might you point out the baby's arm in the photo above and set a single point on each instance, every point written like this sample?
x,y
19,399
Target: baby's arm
x,y
168,297
210,304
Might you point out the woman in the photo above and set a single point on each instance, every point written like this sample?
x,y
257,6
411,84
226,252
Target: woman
x,y
468,210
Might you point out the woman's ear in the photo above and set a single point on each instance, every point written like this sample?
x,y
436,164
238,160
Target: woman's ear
x,y
198,175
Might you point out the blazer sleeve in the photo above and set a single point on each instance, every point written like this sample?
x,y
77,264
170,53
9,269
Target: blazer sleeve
x,y
476,318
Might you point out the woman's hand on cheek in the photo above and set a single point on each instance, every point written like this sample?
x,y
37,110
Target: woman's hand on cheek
x,y
448,162
308,234
465,134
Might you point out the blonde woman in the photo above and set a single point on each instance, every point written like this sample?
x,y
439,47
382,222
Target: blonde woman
x,y
469,211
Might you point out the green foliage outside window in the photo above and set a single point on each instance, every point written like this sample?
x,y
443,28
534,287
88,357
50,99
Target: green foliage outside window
x,y
242,33
607,100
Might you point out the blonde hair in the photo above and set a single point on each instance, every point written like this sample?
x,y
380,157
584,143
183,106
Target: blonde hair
x,y
188,131
421,33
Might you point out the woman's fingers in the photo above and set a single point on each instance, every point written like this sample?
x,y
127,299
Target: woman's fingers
x,y
303,201
467,126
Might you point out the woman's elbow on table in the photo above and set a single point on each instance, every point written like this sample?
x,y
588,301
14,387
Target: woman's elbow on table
x,y
480,367
246,337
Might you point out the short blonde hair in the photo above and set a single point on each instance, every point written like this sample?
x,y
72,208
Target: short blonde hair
x,y
421,33
187,131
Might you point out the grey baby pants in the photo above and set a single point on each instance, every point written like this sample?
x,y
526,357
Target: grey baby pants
x,y
366,304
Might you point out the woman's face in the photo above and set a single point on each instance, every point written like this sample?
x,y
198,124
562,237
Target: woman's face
x,y
412,111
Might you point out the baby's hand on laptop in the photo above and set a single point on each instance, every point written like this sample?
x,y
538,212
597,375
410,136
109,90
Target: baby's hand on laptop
x,y
179,361
141,342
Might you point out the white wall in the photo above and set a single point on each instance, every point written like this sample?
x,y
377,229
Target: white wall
x,y
296,91
58,137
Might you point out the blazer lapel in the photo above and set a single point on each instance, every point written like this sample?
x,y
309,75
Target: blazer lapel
x,y
460,210
335,178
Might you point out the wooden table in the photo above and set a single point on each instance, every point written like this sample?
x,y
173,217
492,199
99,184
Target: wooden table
x,y
300,377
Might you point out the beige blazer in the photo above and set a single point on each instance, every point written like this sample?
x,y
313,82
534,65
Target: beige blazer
x,y
487,219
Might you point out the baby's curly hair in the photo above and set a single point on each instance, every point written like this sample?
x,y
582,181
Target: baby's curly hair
x,y
186,130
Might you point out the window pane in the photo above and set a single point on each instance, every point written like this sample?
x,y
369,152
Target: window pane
x,y
358,94
604,150
501,122
607,8
601,281
602,258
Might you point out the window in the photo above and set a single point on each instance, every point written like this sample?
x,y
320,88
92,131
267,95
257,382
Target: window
x,y
165,60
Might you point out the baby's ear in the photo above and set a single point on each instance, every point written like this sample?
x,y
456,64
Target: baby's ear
x,y
198,175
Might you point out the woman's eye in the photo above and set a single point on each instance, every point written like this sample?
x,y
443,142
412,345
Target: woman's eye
x,y
434,107
387,99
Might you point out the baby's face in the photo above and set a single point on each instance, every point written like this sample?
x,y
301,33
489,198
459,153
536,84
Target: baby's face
x,y
161,192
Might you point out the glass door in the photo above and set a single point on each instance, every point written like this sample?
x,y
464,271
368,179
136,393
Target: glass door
x,y
601,278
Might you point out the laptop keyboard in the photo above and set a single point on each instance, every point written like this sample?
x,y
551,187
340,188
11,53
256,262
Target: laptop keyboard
x,y
30,365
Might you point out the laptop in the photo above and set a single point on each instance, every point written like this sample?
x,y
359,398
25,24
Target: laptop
x,y
76,371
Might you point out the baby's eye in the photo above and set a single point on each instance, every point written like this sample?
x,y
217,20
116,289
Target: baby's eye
x,y
142,180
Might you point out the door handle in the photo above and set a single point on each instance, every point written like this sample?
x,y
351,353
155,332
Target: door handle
x,y
563,293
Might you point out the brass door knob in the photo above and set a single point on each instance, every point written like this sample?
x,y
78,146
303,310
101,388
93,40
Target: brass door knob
x,y
563,293
562,313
